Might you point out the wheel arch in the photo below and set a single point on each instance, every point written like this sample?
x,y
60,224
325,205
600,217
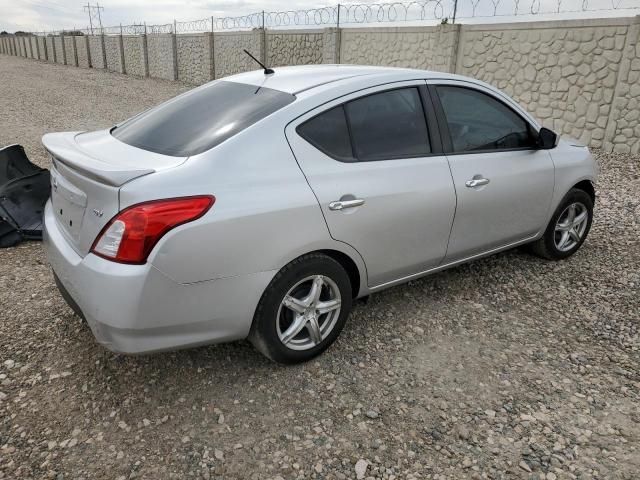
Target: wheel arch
x,y
349,265
587,186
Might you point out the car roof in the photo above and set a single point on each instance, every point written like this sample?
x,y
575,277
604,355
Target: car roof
x,y
300,78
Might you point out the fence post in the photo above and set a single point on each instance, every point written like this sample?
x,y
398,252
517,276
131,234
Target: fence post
x,y
64,50
88,47
212,51
53,49
145,51
123,68
455,11
174,43
104,50
331,45
75,51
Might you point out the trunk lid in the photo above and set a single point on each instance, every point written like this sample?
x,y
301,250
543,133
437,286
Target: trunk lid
x,y
87,172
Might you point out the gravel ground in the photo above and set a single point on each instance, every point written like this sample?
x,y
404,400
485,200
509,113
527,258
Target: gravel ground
x,y
509,367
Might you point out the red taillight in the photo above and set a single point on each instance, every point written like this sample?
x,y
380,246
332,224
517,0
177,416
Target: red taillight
x,y
131,235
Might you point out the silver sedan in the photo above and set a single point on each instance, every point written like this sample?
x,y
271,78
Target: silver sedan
x,y
261,205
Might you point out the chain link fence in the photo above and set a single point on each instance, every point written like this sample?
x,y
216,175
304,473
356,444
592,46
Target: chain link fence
x,y
433,11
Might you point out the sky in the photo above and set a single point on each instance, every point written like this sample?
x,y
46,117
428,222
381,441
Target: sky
x,y
41,15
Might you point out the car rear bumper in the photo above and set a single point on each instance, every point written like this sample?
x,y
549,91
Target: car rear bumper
x,y
138,309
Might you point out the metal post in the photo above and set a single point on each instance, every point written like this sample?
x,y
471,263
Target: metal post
x,y
338,20
455,11
174,27
90,19
212,53
100,19
263,19
123,67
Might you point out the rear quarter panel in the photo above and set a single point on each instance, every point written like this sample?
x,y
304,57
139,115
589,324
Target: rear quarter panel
x,y
264,216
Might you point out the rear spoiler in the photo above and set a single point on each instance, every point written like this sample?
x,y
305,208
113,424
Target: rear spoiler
x,y
65,150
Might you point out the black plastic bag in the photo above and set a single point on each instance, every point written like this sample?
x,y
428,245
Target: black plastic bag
x,y
24,190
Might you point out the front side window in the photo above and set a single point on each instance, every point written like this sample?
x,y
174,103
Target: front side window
x,y
479,122
381,126
201,119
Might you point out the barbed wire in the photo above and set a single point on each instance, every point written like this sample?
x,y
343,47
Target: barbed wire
x,y
366,13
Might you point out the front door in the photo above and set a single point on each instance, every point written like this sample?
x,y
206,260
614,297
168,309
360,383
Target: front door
x,y
370,162
504,184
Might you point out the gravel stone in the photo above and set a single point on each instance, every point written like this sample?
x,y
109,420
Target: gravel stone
x,y
521,361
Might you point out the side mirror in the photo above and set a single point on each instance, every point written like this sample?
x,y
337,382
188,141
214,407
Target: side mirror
x,y
547,139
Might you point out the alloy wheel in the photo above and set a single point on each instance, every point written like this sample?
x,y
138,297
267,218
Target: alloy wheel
x,y
308,312
571,226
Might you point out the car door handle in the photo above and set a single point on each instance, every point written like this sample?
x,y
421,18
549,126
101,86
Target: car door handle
x,y
344,204
476,182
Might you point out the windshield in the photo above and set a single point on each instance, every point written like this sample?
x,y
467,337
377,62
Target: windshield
x,y
200,119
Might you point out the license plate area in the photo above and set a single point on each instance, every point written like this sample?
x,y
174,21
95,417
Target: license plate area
x,y
69,204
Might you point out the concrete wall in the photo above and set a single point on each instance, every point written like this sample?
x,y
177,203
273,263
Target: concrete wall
x,y
95,49
33,43
195,58
59,47
134,55
42,47
51,49
578,77
228,55
294,47
564,76
431,48
82,52
70,51
114,55
623,129
162,61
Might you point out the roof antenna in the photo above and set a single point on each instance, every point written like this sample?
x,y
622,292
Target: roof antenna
x,y
267,71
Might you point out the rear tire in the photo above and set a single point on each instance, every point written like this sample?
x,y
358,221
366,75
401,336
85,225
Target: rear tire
x,y
568,227
303,310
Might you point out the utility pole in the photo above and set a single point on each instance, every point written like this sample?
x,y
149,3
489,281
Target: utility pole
x,y
94,14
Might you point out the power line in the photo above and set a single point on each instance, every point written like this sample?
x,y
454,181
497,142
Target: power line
x,y
94,15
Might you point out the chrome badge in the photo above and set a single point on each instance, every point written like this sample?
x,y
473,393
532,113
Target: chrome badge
x,y
98,213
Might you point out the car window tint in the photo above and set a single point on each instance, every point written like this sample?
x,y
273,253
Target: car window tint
x,y
200,119
328,132
479,122
388,125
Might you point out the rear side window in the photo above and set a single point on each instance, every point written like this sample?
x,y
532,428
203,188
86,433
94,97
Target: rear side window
x,y
328,132
201,119
381,126
478,121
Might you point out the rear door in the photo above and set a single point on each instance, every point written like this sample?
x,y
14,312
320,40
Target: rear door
x,y
504,183
380,177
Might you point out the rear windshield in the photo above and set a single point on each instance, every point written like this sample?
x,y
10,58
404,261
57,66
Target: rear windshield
x,y
201,119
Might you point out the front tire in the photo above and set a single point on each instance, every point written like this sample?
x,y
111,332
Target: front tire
x,y
568,227
303,310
